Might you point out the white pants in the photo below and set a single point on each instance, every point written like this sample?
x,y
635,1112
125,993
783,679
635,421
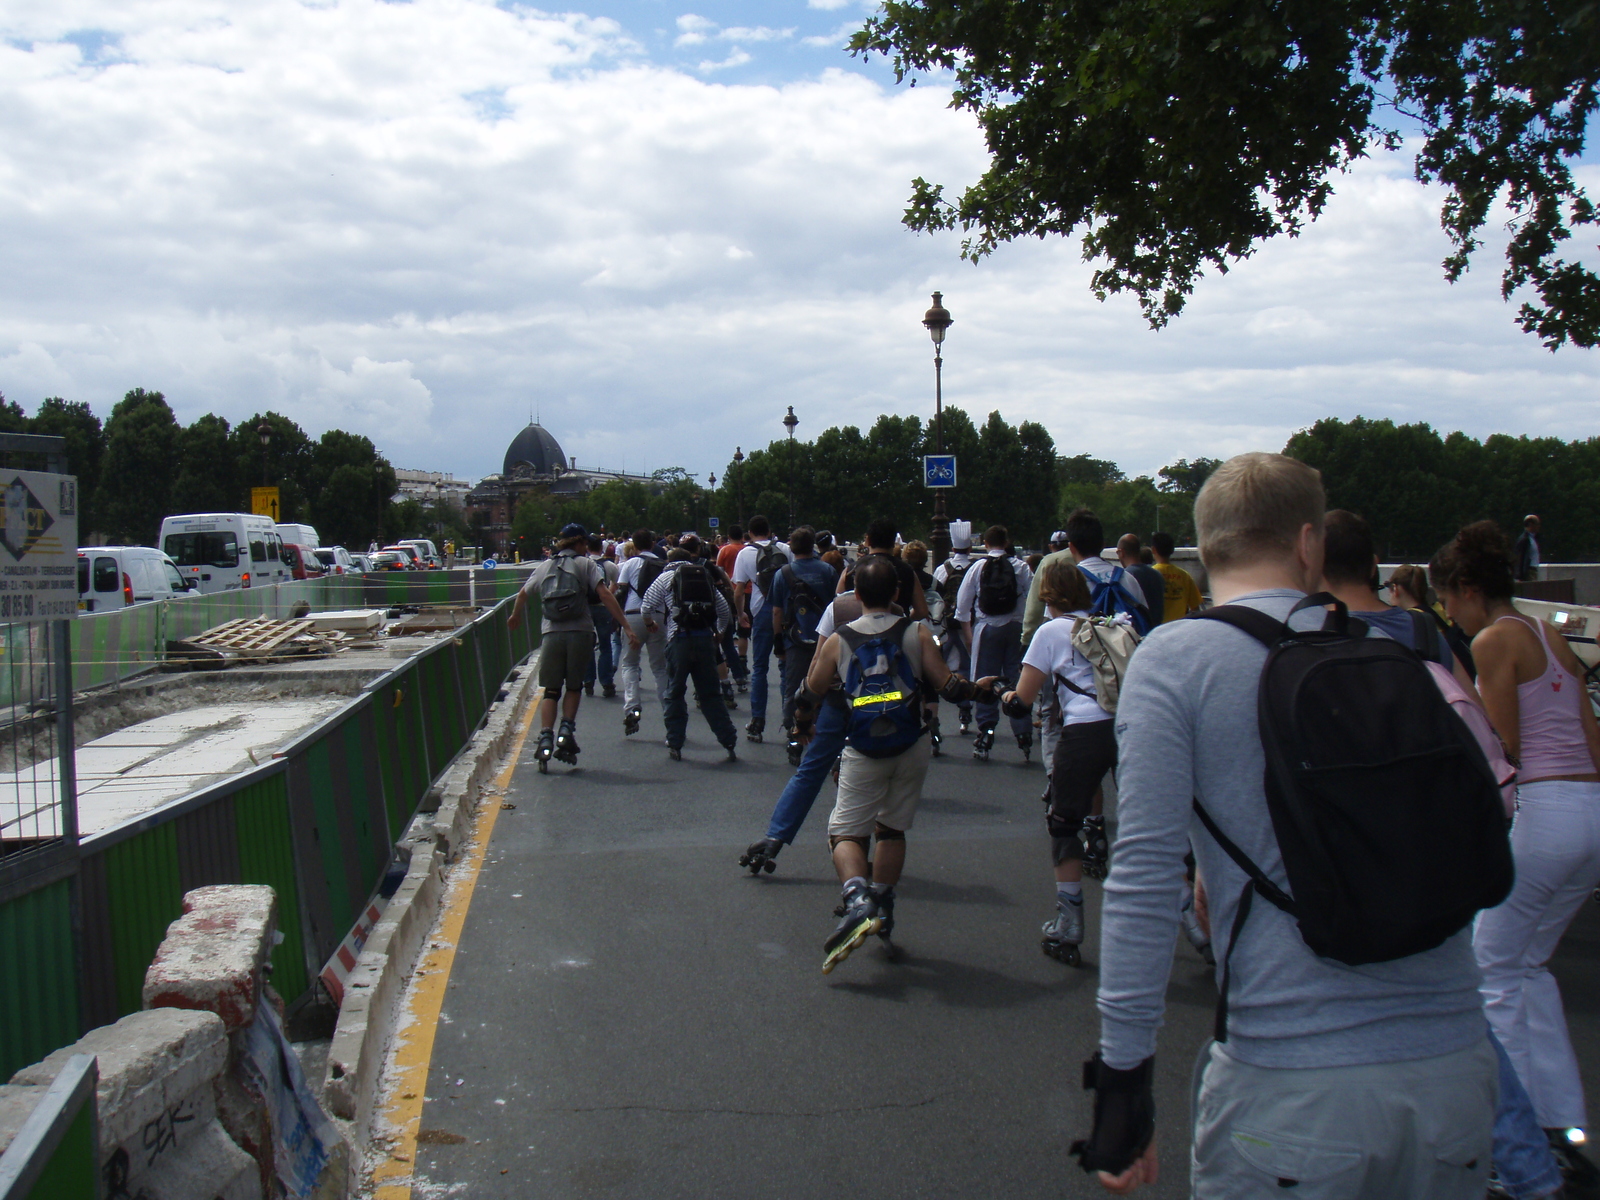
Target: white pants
x,y
655,644
1555,842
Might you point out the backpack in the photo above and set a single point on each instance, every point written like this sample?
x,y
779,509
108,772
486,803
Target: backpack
x,y
1107,598
649,569
694,599
997,586
1108,645
882,691
948,591
1470,711
1387,816
802,608
768,559
561,593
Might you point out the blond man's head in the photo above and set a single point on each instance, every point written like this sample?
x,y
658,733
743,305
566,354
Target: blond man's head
x,y
1254,507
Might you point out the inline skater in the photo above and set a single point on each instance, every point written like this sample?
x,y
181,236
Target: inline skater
x,y
1085,751
685,600
634,579
564,584
947,578
990,608
801,592
753,571
879,662
602,667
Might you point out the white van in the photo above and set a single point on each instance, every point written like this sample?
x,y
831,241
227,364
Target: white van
x,y
113,577
225,551
299,535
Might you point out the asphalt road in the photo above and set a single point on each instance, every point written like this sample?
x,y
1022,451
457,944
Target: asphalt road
x,y
632,1015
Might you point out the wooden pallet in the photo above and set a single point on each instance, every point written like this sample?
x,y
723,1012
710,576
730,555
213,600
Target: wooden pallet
x,y
252,637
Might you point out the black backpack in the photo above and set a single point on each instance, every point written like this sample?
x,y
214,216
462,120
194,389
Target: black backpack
x,y
1386,813
997,586
768,559
802,607
694,599
950,589
649,569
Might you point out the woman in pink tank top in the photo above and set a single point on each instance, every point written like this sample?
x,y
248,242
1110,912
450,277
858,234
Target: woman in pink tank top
x,y
1534,691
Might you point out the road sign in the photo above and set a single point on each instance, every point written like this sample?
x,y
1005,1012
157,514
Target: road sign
x,y
939,470
38,547
715,521
489,564
264,502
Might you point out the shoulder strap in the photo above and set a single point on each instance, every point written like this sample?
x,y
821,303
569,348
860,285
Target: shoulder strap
x,y
1266,630
1426,633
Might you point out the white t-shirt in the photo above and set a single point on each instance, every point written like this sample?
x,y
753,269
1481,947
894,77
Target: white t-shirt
x,y
1100,569
629,574
744,570
1052,652
967,598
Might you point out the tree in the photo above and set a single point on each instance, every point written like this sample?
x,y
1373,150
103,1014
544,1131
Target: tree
x,y
283,463
86,443
1186,478
141,459
12,418
350,487
206,478
1178,134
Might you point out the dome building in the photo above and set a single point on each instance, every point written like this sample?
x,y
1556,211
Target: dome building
x,y
534,462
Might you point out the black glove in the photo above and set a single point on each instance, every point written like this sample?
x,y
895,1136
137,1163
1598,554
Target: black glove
x,y
1014,707
1124,1115
805,715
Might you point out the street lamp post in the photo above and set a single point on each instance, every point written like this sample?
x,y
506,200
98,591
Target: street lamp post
x,y
789,422
738,480
264,432
938,320
712,478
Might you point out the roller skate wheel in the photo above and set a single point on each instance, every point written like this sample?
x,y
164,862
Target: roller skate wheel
x,y
769,866
544,766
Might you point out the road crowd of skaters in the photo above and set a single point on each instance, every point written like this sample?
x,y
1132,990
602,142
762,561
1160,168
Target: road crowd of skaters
x,y
1375,816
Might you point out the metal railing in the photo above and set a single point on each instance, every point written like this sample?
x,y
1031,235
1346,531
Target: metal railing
x,y
55,1151
318,823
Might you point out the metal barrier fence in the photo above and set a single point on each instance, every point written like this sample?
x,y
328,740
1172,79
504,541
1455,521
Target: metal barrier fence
x,y
318,823
54,1153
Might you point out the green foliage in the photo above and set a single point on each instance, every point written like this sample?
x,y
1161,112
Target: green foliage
x,y
137,472
1186,478
350,484
284,462
1417,488
845,478
206,480
1179,134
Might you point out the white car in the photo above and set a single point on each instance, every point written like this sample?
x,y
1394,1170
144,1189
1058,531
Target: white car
x,y
336,560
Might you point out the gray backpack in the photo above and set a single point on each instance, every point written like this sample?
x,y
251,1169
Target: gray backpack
x,y
561,592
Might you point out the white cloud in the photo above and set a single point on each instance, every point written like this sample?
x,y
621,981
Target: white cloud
x,y
419,221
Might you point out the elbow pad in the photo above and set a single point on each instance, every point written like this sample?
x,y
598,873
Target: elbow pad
x,y
1124,1115
958,690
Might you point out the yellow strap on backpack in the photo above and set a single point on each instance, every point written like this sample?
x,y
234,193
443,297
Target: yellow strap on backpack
x,y
880,698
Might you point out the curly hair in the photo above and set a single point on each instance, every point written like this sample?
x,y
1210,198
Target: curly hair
x,y
1477,557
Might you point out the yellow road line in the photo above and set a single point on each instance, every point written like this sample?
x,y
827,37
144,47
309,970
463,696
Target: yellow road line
x,y
413,1055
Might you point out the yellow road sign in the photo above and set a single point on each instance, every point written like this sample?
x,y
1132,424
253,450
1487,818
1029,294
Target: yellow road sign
x,y
264,502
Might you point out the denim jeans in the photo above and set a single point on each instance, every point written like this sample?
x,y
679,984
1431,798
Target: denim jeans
x,y
604,627
761,646
1522,1156
997,650
827,742
694,656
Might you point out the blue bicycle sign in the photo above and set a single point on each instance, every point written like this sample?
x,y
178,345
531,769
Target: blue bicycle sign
x,y
939,470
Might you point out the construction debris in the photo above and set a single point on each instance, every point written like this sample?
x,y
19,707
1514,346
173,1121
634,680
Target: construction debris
x,y
433,619
253,639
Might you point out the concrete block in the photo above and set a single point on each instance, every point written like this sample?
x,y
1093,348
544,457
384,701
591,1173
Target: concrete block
x,y
156,1071
213,956
16,1106
208,1167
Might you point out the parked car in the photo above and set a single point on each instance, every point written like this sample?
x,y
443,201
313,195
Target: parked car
x,y
115,577
336,560
225,551
303,561
361,563
390,560
413,557
428,551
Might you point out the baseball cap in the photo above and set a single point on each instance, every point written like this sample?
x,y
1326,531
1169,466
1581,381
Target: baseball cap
x,y
1060,536
572,530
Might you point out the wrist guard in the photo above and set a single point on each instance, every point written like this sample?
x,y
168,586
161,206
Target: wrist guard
x,y
1014,707
1124,1115
958,690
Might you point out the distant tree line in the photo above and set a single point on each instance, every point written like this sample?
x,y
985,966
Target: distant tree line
x,y
142,465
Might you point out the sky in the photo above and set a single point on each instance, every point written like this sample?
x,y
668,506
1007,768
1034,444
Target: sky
x,y
655,226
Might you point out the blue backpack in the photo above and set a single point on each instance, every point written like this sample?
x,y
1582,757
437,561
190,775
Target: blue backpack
x,y
1107,598
882,691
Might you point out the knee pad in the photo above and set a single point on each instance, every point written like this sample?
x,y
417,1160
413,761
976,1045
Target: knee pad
x,y
885,834
1065,849
553,693
835,838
